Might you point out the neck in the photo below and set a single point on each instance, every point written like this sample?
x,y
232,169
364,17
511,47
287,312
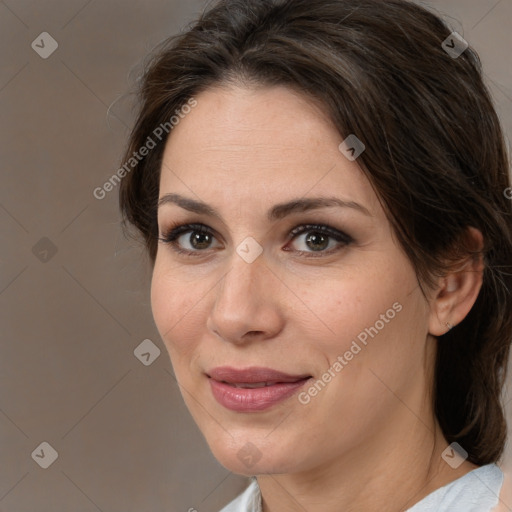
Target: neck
x,y
371,476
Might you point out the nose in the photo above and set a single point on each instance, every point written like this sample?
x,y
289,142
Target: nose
x,y
246,304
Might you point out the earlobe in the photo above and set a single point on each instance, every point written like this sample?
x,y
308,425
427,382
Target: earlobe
x,y
458,290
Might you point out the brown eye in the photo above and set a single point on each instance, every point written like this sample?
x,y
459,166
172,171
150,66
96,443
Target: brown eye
x,y
200,240
190,238
319,239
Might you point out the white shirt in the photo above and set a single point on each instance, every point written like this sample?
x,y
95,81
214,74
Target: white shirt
x,y
476,491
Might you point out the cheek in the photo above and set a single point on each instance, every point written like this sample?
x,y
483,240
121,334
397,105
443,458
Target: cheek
x,y
352,303
376,320
380,335
175,306
376,331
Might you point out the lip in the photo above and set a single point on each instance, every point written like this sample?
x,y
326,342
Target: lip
x,y
280,386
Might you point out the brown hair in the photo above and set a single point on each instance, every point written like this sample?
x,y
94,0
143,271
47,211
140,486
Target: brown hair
x,y
435,155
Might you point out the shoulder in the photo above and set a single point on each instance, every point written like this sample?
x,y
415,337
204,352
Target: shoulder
x,y
477,491
248,501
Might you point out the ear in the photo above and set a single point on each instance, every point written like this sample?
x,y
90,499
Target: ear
x,y
458,290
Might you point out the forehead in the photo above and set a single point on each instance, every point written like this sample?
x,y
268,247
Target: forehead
x,y
259,146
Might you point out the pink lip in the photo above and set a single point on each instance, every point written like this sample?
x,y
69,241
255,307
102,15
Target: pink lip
x,y
223,380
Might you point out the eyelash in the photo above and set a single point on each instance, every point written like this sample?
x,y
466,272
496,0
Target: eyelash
x,y
171,236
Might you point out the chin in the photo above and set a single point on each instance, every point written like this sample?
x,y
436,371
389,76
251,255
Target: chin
x,y
250,456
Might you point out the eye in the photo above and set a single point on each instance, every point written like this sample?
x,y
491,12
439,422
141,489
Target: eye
x,y
319,238
190,239
196,239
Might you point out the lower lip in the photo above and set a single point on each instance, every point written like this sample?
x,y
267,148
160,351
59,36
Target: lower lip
x,y
255,399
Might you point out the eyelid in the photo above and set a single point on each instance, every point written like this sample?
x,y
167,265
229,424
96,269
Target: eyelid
x,y
178,229
321,228
174,232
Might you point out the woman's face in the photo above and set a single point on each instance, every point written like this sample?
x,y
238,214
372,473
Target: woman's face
x,y
336,309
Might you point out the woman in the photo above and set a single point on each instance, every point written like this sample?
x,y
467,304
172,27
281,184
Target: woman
x,y
320,185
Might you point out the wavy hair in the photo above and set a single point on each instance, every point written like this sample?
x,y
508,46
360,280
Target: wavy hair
x,y
435,155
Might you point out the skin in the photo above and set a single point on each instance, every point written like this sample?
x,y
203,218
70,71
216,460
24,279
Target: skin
x,y
368,440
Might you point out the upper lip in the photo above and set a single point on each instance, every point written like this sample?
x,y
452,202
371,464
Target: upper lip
x,y
252,374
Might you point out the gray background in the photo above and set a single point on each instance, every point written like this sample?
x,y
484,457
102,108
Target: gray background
x,y
71,319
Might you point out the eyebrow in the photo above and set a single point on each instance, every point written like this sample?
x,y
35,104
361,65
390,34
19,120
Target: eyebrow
x,y
277,212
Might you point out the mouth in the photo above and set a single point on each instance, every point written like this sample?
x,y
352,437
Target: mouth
x,y
253,389
253,375
251,385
